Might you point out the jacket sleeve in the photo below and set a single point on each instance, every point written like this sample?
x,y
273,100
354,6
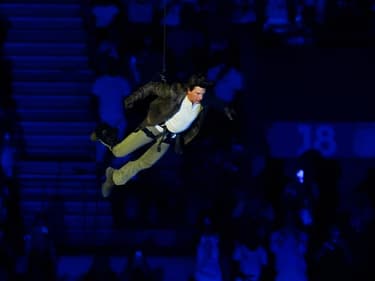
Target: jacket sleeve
x,y
149,89
229,108
192,132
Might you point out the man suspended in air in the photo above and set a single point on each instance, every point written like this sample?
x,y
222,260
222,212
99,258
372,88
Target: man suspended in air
x,y
174,117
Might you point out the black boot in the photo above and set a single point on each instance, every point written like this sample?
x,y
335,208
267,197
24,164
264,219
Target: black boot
x,y
105,134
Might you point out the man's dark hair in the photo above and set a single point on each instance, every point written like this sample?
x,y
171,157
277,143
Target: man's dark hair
x,y
198,80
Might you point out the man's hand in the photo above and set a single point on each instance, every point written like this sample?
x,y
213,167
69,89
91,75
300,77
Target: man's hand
x,y
230,113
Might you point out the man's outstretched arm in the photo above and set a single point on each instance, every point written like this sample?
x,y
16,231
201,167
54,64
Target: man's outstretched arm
x,y
151,88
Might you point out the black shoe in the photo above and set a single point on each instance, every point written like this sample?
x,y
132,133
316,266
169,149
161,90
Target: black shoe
x,y
105,134
107,186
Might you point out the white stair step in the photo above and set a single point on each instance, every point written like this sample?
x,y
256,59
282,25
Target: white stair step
x,y
73,209
39,153
25,62
88,221
128,237
33,207
40,9
67,103
79,193
58,178
59,147
57,128
45,23
55,154
45,49
61,115
55,167
45,36
72,183
57,75
44,1
78,225
58,141
55,88
48,193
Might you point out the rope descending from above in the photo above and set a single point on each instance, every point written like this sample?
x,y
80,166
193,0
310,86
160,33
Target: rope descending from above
x,y
164,58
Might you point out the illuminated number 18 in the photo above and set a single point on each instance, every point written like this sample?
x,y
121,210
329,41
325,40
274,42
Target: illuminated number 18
x,y
321,138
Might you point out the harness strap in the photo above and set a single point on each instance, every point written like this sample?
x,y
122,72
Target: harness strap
x,y
164,136
149,133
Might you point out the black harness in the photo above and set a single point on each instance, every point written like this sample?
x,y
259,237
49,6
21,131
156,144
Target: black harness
x,y
165,136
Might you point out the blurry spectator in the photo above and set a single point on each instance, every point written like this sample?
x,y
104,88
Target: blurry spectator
x,y
301,198
251,257
4,194
105,27
7,258
309,9
107,49
138,268
271,180
277,16
228,92
99,270
362,212
181,26
361,237
171,12
225,71
289,246
208,265
333,258
141,21
320,11
243,21
145,63
243,11
106,15
214,19
368,183
198,40
253,212
7,253
321,182
40,252
8,155
109,90
10,218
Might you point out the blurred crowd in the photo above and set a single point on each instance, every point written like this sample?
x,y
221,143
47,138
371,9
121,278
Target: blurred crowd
x,y
273,227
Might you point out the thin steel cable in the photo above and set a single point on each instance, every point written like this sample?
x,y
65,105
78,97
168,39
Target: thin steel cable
x,y
164,66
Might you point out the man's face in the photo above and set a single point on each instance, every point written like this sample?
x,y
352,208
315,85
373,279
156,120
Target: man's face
x,y
196,95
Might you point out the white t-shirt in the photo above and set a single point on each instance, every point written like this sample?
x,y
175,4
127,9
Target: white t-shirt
x,y
111,91
184,117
